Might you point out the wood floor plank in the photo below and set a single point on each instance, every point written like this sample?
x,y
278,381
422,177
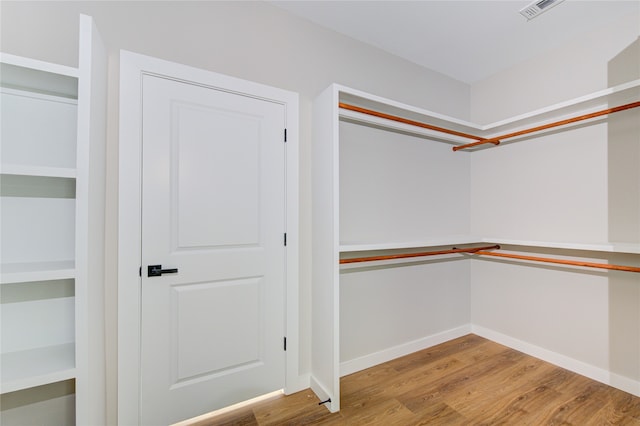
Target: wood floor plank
x,y
508,393
440,414
624,404
241,417
301,407
466,381
361,389
527,407
417,399
582,405
389,412
438,352
417,365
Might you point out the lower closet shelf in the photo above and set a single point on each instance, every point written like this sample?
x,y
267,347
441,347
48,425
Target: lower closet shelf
x,y
36,271
35,367
396,245
609,247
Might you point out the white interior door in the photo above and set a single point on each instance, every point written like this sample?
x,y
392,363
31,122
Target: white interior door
x,y
213,210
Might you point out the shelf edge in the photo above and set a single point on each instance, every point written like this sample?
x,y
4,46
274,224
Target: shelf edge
x,y
38,171
36,271
39,65
627,248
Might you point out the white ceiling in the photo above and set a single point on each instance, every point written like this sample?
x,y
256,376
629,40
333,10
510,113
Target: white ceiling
x,y
466,40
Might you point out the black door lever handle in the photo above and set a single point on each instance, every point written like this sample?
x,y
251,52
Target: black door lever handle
x,y
157,271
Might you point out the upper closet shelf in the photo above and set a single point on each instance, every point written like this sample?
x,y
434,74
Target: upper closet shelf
x,y
390,107
20,61
38,76
385,109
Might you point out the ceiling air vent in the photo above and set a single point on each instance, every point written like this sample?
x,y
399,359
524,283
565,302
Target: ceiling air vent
x,y
537,7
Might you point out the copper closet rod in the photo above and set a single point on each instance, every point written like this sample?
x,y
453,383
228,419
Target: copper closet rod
x,y
481,251
550,125
424,253
480,140
410,122
562,261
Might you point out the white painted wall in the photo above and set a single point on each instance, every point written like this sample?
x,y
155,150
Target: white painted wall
x,y
566,72
251,40
397,188
400,188
572,185
395,306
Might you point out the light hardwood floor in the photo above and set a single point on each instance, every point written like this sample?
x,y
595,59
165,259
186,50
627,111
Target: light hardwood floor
x,y
466,381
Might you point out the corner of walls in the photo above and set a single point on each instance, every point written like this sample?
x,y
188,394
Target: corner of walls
x,y
388,354
563,72
601,375
585,322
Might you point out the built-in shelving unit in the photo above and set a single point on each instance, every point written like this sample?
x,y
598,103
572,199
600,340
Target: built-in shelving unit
x,y
47,111
39,143
361,205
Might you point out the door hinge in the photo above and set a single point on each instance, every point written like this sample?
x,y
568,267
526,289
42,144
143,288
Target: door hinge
x,y
285,343
285,135
285,239
140,271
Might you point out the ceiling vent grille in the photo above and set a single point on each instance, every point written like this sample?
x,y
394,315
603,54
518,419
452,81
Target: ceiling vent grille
x,y
537,7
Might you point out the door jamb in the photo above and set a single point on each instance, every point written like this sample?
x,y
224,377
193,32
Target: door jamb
x,y
132,67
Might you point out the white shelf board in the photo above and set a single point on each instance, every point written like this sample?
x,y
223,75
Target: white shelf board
x,y
611,247
394,125
399,245
572,106
35,367
440,118
24,170
35,64
591,102
36,271
631,248
38,95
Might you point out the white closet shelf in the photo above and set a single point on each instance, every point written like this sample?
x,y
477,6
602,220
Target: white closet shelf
x,y
41,171
434,242
359,117
611,247
20,61
35,367
36,271
612,96
38,77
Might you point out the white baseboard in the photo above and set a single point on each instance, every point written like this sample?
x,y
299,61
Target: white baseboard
x,y
364,362
299,383
624,383
596,373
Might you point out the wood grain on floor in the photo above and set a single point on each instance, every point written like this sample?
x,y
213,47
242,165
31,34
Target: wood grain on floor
x,y
466,381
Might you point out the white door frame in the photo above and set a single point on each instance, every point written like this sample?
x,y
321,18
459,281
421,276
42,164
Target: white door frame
x,y
132,67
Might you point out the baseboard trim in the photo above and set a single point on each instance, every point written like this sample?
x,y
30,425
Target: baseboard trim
x,y
596,373
364,362
624,383
299,383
